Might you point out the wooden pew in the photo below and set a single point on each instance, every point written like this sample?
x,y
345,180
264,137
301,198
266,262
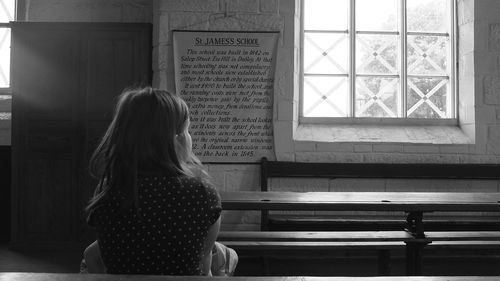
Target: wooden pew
x,y
18,276
279,169
273,243
324,243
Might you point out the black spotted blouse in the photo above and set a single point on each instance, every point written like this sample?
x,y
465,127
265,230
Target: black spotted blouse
x,y
168,237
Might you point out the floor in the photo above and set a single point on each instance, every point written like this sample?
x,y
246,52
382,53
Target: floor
x,y
39,261
345,265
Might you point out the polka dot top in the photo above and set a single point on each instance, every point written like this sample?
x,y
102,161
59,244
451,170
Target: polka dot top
x,y
168,237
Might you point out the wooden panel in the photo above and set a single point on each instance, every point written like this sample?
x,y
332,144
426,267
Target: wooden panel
x,y
379,170
45,72
115,59
48,199
65,77
331,236
362,201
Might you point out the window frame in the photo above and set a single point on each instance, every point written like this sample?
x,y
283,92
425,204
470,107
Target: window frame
x,y
7,90
402,64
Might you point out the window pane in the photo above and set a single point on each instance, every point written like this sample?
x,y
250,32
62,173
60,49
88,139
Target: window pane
x,y
428,55
428,98
326,53
376,97
381,15
325,96
376,54
7,8
4,57
428,15
326,14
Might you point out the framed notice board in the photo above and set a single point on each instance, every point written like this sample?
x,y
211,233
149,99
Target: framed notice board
x,y
227,80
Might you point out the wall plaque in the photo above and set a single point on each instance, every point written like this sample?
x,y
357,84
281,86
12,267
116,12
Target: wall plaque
x,y
227,79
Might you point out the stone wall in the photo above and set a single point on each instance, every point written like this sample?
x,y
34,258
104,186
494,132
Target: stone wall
x,y
479,126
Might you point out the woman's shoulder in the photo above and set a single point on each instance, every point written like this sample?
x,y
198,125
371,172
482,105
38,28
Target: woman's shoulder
x,y
200,185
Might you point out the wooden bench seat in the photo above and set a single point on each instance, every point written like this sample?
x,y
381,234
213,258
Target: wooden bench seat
x,y
283,243
315,236
286,222
323,243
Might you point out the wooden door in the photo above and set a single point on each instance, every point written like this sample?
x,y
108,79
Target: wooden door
x,y
65,77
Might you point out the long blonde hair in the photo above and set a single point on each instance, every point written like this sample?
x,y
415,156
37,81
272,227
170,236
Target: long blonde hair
x,y
143,136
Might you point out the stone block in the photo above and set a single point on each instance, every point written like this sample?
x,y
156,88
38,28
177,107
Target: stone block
x,y
409,158
246,6
162,28
486,10
454,149
285,110
417,185
241,181
466,62
485,64
384,158
415,148
465,12
480,159
218,179
335,146
189,5
466,35
234,167
300,184
304,146
387,147
494,38
491,85
358,185
138,11
269,6
189,21
283,138
486,114
288,6
289,31
481,36
493,140
285,156
328,157
363,147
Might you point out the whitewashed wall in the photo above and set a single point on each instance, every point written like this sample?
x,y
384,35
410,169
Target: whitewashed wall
x,y
479,73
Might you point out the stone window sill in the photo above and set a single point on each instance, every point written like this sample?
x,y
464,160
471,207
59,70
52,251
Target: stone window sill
x,y
381,134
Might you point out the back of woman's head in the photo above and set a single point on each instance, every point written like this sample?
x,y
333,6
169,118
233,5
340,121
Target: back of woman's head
x,y
145,135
